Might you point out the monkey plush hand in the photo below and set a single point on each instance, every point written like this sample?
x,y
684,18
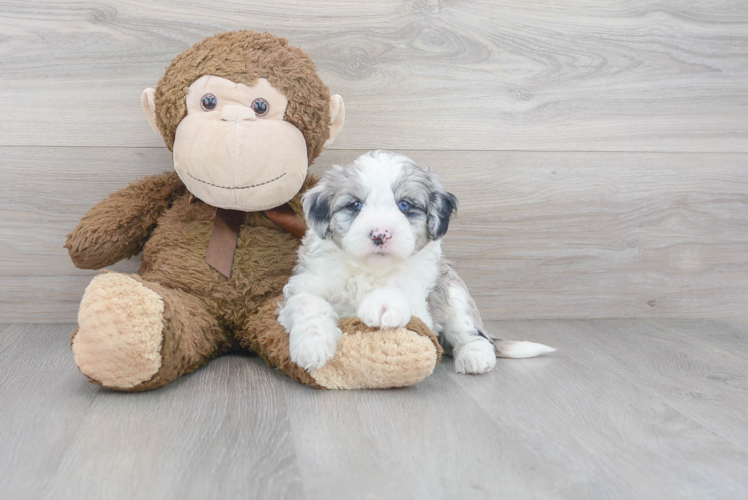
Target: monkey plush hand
x,y
244,114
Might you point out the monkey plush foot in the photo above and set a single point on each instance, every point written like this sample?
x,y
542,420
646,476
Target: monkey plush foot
x,y
119,335
366,357
135,335
370,358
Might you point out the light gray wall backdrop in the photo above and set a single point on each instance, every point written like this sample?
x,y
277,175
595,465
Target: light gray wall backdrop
x,y
598,148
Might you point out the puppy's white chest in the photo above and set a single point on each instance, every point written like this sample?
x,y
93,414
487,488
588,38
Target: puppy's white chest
x,y
415,278
358,284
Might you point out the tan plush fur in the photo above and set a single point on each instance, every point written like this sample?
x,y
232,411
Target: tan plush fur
x,y
119,346
139,332
384,358
367,358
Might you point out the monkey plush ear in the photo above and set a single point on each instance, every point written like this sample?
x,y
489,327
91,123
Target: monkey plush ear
x,y
337,117
148,102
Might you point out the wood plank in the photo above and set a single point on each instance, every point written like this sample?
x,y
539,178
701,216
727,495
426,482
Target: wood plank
x,y
221,432
624,409
691,365
601,235
538,235
701,367
425,441
4,332
733,333
727,335
599,406
481,75
43,400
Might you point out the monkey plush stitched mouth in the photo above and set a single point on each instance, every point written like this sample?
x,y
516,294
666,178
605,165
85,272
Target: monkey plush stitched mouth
x,y
234,149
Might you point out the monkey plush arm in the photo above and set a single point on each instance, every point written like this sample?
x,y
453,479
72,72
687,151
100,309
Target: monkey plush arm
x,y
117,227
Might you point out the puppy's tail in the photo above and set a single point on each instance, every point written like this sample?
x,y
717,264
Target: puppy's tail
x,y
519,348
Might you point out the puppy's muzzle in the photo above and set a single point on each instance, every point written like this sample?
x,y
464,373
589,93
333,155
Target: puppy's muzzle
x,y
380,237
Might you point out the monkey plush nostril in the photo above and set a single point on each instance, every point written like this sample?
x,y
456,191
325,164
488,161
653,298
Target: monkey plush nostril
x,y
236,113
380,237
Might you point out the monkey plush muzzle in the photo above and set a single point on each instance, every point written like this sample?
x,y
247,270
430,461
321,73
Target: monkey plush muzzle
x,y
233,150
247,165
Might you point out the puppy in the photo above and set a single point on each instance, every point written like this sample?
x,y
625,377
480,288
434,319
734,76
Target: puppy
x,y
373,250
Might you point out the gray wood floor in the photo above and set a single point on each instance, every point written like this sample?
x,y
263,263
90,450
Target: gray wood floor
x,y
625,409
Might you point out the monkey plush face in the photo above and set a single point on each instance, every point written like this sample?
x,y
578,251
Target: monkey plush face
x,y
244,115
234,150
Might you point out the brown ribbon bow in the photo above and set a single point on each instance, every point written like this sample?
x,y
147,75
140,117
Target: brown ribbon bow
x,y
225,234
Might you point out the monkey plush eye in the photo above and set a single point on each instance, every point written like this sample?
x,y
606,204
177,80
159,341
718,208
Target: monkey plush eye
x,y
356,206
260,106
209,102
403,205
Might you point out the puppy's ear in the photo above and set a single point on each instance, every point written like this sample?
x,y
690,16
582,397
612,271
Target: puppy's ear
x,y
317,210
442,205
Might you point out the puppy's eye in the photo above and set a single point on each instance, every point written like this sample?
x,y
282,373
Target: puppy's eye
x,y
403,205
356,205
260,106
209,102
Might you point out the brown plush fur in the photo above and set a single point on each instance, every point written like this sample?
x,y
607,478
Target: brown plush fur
x,y
119,227
173,265
244,57
267,337
204,313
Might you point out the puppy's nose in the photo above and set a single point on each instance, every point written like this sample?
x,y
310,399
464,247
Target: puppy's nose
x,y
236,113
380,237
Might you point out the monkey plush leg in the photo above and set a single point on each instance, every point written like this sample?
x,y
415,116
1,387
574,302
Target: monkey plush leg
x,y
135,335
366,358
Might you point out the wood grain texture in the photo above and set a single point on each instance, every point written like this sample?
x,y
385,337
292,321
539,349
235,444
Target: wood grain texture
x,y
687,364
222,432
693,381
625,409
219,433
535,115
538,235
621,412
44,401
732,333
427,441
3,332
424,74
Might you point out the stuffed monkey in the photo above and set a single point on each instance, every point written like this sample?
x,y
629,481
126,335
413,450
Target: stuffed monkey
x,y
244,114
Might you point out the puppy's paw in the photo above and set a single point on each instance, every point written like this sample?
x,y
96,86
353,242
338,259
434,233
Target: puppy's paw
x,y
370,313
395,316
383,311
313,344
475,357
